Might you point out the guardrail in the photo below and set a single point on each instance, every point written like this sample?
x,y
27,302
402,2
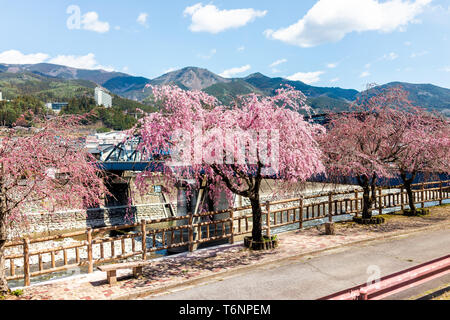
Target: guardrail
x,y
141,239
396,282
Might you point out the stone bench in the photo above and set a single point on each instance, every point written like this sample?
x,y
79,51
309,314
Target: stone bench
x,y
111,270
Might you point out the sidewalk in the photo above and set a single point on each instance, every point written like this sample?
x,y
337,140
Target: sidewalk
x,y
192,268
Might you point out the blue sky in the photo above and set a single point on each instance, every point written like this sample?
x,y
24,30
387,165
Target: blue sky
x,y
345,43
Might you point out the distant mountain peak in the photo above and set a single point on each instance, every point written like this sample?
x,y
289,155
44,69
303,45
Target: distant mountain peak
x,y
192,78
256,75
63,72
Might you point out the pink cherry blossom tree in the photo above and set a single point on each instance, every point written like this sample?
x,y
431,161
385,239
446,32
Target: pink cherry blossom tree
x,y
233,147
363,143
45,165
424,147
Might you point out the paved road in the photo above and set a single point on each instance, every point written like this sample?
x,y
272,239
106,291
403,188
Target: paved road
x,y
317,276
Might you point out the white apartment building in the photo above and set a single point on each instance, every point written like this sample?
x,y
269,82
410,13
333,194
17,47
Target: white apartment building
x,y
102,98
108,138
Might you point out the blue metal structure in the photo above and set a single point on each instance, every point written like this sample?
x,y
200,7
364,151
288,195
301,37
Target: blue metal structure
x,y
126,157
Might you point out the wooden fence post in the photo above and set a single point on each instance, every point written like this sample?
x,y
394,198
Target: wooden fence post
x,y
268,219
89,250
231,226
402,200
380,201
329,226
330,206
422,196
191,234
441,195
144,239
26,262
301,214
356,203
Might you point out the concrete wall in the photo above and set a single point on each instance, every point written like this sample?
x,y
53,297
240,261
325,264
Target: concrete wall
x,y
93,218
149,207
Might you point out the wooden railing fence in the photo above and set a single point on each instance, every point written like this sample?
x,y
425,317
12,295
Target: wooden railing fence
x,y
141,239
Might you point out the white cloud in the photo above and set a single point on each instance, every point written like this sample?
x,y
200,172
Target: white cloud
x,y
278,62
364,74
171,70
80,62
90,22
241,48
211,53
390,56
332,65
419,54
306,77
407,43
142,19
17,57
446,69
210,19
334,80
331,20
234,71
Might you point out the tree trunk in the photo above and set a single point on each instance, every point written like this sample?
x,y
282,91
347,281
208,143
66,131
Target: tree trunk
x,y
407,184
257,219
411,203
3,283
369,194
367,203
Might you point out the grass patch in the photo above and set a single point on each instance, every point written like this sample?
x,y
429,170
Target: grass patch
x,y
17,293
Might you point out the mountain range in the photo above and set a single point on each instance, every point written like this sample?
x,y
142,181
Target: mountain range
x,y
322,99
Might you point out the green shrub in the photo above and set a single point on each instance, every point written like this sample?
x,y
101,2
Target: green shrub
x,y
373,220
17,293
103,130
417,213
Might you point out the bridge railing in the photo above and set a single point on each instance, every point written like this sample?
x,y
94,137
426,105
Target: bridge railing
x,y
28,258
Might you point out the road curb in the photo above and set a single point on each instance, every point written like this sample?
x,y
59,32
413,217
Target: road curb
x,y
149,291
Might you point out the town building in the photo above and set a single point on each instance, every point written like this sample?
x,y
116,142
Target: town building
x,y
56,106
103,98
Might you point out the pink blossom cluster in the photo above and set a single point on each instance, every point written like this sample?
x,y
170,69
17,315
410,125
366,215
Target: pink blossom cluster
x,y
230,146
48,168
